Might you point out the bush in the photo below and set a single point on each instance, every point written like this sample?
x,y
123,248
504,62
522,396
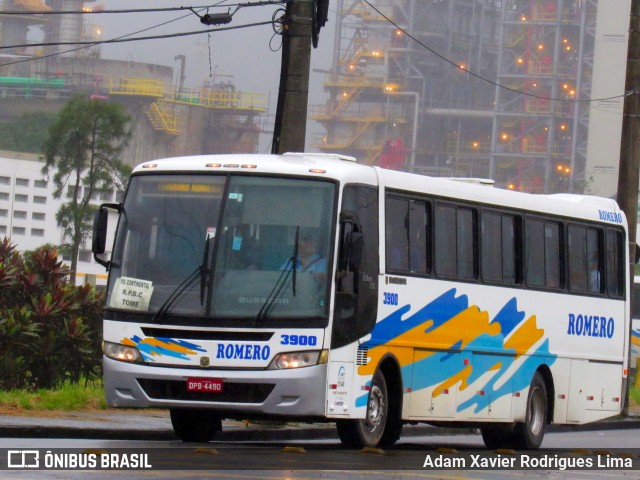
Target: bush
x,y
50,330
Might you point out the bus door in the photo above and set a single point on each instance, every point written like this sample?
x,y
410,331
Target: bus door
x,y
356,295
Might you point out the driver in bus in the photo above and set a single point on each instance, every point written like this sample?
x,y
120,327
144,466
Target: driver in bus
x,y
310,259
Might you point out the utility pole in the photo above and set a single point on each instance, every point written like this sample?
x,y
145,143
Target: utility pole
x,y
291,113
629,171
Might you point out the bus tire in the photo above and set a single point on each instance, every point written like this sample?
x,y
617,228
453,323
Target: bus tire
x,y
195,425
498,436
382,424
529,435
347,433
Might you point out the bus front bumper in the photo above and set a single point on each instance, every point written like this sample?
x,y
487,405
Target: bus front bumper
x,y
289,393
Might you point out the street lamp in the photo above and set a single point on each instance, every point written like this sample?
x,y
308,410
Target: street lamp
x,y
216,18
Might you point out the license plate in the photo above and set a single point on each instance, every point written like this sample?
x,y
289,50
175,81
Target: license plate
x,y
212,385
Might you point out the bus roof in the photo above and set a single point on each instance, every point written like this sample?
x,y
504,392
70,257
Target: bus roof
x,y
345,169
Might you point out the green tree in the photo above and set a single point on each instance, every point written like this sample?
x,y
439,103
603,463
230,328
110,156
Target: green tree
x,y
26,133
83,149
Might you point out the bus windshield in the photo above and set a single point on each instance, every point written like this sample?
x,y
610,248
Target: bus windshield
x,y
241,247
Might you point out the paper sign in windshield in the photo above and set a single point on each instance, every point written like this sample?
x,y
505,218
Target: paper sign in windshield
x,y
131,294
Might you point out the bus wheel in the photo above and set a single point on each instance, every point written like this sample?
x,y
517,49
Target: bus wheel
x,y
382,425
529,435
195,425
498,436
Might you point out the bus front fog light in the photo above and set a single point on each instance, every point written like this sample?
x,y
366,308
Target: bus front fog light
x,y
121,352
295,360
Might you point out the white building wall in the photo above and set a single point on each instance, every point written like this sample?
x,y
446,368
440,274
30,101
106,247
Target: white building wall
x,y
28,212
605,117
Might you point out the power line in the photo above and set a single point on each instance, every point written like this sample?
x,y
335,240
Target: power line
x,y
138,10
484,79
55,54
136,39
91,12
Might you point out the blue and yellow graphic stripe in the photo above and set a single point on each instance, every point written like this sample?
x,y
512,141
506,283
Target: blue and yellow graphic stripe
x,y
151,347
452,342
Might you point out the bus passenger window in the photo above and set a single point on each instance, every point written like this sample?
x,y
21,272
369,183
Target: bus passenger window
x,y
577,252
499,249
593,260
511,249
535,252
615,264
585,271
407,235
419,237
445,240
397,238
455,241
543,258
552,254
491,241
465,243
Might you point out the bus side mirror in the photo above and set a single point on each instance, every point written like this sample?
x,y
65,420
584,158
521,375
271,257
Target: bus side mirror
x,y
99,239
354,249
352,242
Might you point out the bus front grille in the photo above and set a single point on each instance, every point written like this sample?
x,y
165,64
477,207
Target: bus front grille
x,y
231,393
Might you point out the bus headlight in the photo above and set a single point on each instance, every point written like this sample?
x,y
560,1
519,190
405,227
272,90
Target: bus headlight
x,y
298,359
120,352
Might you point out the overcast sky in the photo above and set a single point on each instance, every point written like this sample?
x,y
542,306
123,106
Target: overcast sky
x,y
248,57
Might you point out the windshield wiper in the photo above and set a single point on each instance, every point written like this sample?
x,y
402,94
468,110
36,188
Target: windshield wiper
x,y
269,304
171,299
204,273
294,261
201,270
290,267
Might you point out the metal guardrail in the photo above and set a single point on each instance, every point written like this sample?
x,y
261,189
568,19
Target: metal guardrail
x,y
221,99
204,97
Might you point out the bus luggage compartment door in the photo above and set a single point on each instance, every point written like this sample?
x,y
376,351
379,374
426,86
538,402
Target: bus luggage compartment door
x,y
604,387
340,387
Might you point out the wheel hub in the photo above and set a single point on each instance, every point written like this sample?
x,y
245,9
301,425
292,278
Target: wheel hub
x,y
375,408
536,411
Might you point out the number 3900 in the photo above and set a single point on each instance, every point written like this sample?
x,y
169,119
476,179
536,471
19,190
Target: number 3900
x,y
390,298
303,340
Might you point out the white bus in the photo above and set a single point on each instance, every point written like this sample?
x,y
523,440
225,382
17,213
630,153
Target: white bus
x,y
430,300
635,324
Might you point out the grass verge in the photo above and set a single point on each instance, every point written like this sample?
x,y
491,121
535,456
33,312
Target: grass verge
x,y
66,398
91,397
634,397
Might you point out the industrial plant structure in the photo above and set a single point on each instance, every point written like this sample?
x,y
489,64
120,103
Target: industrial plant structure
x,y
526,92
167,120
